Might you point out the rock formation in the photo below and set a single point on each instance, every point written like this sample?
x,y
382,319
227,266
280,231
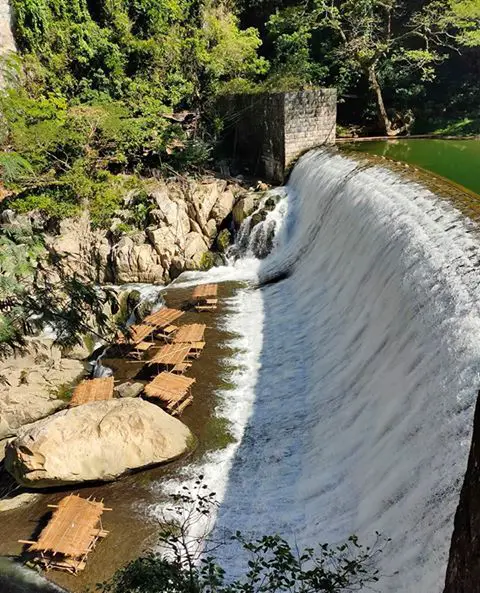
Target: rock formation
x,y
463,571
183,221
7,42
95,442
30,385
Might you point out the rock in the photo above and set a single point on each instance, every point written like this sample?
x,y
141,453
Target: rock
x,y
211,229
129,389
203,197
133,260
463,570
195,247
16,502
32,385
223,206
95,442
243,208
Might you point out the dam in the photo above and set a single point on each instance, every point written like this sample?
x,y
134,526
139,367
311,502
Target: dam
x,y
355,413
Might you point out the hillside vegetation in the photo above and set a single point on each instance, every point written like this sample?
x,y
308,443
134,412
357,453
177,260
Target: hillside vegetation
x,y
105,94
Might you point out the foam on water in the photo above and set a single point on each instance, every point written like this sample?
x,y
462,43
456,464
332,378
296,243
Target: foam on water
x,y
356,412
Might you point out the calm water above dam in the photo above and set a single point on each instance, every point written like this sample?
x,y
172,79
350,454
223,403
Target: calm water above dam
x,y
457,160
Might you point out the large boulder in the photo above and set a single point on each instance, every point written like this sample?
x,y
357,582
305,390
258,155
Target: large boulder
x,y
95,442
195,247
223,206
243,208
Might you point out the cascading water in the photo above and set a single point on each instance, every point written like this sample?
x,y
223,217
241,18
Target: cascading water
x,y
354,414
17,579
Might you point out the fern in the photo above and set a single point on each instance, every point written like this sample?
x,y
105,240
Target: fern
x,y
14,167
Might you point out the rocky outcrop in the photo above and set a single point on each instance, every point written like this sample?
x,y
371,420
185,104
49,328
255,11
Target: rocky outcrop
x,y
95,442
129,389
463,571
30,384
183,220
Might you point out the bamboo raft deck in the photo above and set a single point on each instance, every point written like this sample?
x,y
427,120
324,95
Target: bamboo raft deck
x,y
71,534
190,333
171,355
205,297
138,333
162,321
92,390
173,391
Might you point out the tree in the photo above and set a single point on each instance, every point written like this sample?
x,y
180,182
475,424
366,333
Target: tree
x,y
369,36
187,561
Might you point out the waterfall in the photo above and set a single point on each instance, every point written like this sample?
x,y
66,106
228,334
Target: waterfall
x,y
354,412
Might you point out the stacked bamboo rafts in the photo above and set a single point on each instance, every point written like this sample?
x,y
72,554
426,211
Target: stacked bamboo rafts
x,y
70,535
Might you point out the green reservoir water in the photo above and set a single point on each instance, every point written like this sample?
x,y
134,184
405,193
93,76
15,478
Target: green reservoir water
x,y
457,160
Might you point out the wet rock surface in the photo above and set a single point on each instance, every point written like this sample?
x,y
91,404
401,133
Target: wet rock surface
x,y
30,385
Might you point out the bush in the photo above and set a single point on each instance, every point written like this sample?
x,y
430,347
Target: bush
x,y
274,566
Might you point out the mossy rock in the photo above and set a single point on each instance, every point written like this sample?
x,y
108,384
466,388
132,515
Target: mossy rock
x,y
224,240
207,261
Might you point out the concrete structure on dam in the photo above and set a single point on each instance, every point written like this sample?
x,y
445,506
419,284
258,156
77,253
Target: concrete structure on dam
x,y
265,133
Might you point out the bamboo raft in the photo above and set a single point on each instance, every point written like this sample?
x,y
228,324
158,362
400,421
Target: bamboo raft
x,y
172,391
71,534
92,390
204,297
162,322
190,333
171,355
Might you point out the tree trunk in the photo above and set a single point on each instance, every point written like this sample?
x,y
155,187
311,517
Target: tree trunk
x,y
382,112
383,118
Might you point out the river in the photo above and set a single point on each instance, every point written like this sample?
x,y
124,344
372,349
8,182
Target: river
x,y
360,364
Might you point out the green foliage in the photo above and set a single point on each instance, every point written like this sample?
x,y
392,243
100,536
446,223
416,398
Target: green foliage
x,y
218,433
14,167
273,565
30,301
224,240
94,88
391,44
64,392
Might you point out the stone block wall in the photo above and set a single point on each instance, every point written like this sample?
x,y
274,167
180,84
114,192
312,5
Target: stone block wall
x,y
310,120
266,133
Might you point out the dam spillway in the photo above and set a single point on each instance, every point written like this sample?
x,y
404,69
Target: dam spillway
x,y
354,413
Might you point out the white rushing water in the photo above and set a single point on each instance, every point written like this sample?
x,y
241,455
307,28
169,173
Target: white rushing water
x,y
363,364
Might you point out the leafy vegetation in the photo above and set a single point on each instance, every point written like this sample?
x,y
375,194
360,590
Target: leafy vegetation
x,y
109,91
94,90
372,44
103,95
188,563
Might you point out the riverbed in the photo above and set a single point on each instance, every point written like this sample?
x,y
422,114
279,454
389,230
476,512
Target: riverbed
x,y
132,525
